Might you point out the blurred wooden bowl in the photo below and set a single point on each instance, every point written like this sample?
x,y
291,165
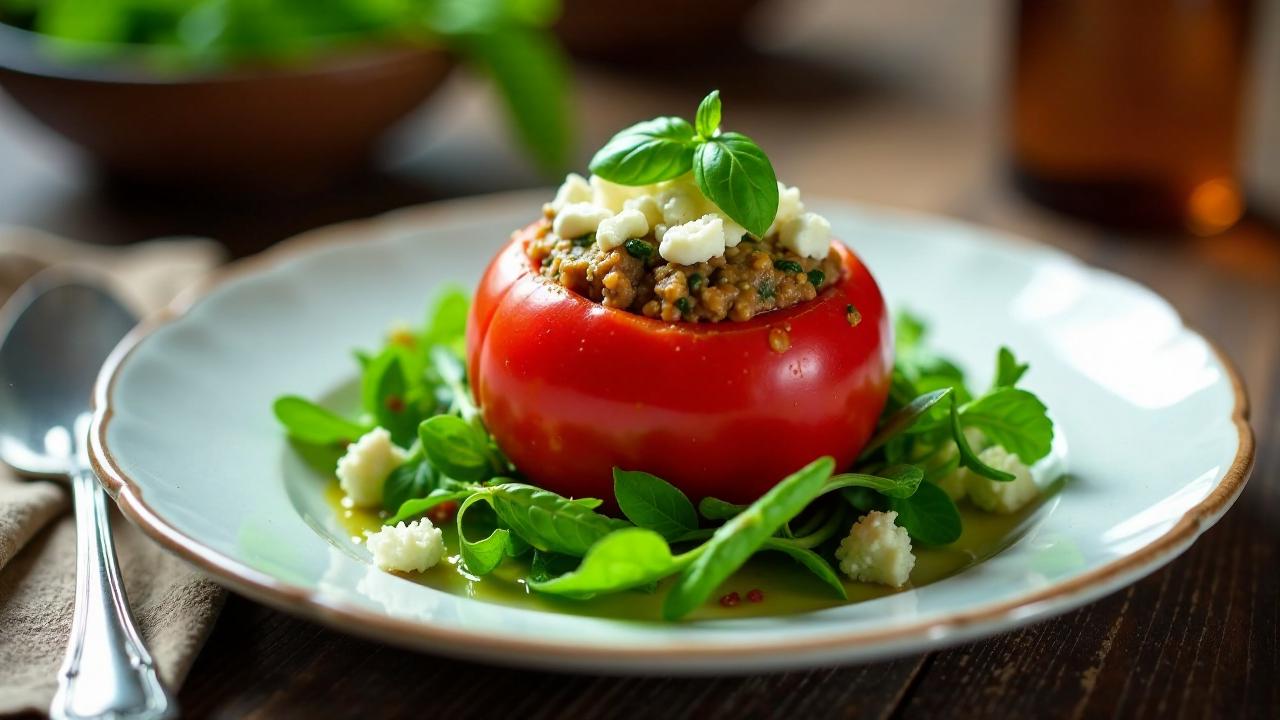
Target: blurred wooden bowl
x,y
275,129
631,33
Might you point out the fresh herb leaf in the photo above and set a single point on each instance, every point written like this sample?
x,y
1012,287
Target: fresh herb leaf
x,y
389,393
653,503
647,152
903,418
811,561
309,423
622,560
735,174
739,538
897,481
548,566
717,509
447,321
411,509
456,448
1008,370
547,521
816,278
448,367
639,249
481,557
707,121
790,266
929,516
410,480
968,458
1013,419
695,282
864,499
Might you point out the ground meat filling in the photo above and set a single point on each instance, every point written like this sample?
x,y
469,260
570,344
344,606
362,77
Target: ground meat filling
x,y
752,278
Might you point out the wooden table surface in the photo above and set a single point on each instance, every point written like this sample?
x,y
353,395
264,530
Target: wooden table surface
x,y
881,103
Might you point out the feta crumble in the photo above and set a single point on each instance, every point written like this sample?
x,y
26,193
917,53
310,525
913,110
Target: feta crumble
x,y
407,548
693,242
1002,497
614,231
954,483
364,468
574,189
648,205
789,207
578,219
612,196
876,550
808,234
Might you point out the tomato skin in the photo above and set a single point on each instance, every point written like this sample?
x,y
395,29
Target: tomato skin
x,y
570,388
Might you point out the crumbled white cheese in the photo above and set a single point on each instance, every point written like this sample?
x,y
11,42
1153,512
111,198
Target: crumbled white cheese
x,y
876,550
693,242
577,219
408,548
733,233
365,467
648,205
808,234
574,189
997,496
618,229
789,207
682,201
610,195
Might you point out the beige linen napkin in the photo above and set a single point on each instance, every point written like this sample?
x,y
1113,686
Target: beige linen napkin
x,y
174,605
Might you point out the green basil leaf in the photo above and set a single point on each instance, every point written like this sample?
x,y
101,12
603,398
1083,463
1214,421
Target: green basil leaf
x,y
717,509
456,448
1008,370
903,418
310,423
811,561
1013,419
653,503
968,458
707,121
481,557
739,538
647,152
410,480
447,320
898,481
548,566
735,174
929,516
412,508
622,560
547,521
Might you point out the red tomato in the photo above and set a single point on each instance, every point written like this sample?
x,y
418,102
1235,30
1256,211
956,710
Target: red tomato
x,y
571,389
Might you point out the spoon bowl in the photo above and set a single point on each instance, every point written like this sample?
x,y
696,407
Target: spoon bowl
x,y
56,334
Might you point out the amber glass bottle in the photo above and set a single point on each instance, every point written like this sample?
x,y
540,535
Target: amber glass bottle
x,y
1127,112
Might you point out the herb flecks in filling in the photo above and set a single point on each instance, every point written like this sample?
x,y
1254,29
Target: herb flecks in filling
x,y
748,280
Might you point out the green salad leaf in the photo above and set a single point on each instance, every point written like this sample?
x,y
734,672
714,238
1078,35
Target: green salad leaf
x,y
716,509
622,560
811,561
929,516
903,418
653,503
410,480
457,448
1008,370
410,509
311,423
547,521
897,481
1014,419
968,458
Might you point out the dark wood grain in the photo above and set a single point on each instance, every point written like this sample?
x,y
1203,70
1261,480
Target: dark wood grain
x,y
897,107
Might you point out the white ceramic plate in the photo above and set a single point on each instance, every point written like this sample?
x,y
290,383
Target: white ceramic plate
x,y
184,438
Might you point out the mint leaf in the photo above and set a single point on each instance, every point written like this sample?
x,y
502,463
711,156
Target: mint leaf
x,y
707,121
647,152
653,503
310,423
1013,419
929,516
735,174
1008,370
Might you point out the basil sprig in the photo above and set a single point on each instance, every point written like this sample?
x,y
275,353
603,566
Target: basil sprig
x,y
728,167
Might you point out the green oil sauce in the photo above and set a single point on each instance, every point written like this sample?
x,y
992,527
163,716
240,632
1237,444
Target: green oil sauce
x,y
786,587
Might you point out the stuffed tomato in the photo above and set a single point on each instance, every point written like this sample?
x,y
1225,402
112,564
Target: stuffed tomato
x,y
571,388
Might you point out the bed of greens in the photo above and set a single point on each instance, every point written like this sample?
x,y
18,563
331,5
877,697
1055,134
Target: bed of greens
x,y
415,387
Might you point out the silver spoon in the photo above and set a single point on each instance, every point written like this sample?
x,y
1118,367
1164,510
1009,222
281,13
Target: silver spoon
x,y
54,336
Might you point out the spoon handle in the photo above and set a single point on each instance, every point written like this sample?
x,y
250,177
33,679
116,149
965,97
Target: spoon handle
x,y
107,670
